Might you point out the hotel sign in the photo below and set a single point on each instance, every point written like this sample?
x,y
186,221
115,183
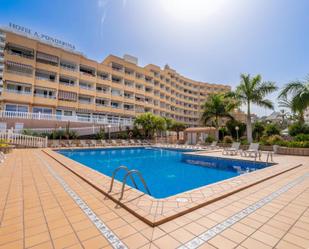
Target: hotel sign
x,y
41,37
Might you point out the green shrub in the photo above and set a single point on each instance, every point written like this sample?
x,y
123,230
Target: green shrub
x,y
271,129
264,140
228,139
100,134
302,137
298,128
231,125
210,139
296,144
275,139
3,143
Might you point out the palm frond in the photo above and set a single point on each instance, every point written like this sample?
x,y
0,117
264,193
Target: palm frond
x,y
266,103
292,88
266,88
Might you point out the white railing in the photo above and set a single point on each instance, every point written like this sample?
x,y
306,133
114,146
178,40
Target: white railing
x,y
80,131
52,117
23,140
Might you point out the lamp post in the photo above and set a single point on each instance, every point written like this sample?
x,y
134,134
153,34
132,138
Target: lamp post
x,y
237,129
109,131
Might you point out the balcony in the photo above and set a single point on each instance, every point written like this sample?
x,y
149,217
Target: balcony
x,y
47,59
19,69
53,117
45,76
87,73
68,66
17,50
103,75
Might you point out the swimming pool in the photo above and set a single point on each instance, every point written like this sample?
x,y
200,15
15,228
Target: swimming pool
x,y
166,172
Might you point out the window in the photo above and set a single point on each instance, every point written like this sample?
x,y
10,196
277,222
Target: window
x,y
47,59
103,75
70,66
18,68
66,81
87,70
45,75
45,93
42,110
20,51
115,105
116,92
16,108
102,88
101,102
86,85
116,79
84,99
18,88
67,113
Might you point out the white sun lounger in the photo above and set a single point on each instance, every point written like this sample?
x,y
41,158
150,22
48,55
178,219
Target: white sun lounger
x,y
253,150
233,150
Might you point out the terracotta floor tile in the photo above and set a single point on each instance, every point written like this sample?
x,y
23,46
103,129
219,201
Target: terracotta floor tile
x,y
272,231
76,246
44,245
13,245
124,231
195,228
254,244
265,238
4,239
294,239
222,243
65,241
95,242
287,245
233,235
87,233
166,242
182,235
37,239
135,241
300,232
207,246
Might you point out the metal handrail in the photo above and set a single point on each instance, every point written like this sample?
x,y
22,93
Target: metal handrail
x,y
130,174
114,174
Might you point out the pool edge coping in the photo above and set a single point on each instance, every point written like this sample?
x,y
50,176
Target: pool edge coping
x,y
153,221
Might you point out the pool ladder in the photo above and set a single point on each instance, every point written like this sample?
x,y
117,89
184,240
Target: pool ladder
x,y
124,181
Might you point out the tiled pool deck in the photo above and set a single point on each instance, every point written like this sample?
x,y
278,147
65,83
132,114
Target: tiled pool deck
x,y
44,205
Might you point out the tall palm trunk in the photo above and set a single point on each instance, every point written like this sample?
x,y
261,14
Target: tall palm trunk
x,y
249,125
217,129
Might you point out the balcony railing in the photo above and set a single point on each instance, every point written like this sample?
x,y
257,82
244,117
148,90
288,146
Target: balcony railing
x,y
18,91
53,117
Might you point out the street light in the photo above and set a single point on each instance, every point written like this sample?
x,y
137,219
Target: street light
x,y
109,131
237,129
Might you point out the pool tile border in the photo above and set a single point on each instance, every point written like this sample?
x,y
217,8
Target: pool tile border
x,y
100,225
217,229
158,211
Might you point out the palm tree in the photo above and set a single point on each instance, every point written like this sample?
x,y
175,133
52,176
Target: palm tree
x,y
150,124
288,104
296,94
216,107
252,90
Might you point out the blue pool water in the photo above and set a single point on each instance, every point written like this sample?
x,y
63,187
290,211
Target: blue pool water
x,y
166,172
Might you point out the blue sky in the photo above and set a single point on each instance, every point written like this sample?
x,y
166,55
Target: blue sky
x,y
206,40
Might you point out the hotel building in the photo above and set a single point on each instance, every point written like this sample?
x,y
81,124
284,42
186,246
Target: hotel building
x,y
41,80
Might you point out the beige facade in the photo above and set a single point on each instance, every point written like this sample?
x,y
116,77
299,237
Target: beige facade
x,y
41,78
